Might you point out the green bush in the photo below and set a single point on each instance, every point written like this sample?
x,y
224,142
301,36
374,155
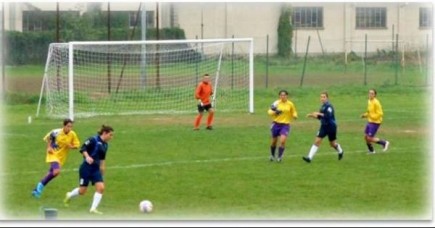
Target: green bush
x,y
24,48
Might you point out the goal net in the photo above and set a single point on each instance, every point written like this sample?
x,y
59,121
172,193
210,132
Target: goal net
x,y
84,79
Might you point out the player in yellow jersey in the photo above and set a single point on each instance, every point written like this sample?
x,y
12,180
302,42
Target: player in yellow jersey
x,y
374,115
59,142
282,112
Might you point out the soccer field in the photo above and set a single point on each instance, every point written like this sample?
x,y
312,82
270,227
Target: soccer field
x,y
225,174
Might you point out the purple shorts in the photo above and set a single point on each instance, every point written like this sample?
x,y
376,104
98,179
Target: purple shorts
x,y
371,129
54,165
278,129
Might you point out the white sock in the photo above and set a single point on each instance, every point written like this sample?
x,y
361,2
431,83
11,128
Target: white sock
x,y
73,193
96,201
339,148
313,151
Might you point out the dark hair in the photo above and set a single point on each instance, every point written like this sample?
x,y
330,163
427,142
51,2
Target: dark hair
x,y
206,75
326,93
67,121
376,93
283,91
105,128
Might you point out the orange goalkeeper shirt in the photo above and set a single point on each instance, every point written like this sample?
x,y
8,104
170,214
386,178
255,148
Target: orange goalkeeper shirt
x,y
204,91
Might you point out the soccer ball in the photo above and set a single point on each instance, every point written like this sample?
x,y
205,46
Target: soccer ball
x,y
145,206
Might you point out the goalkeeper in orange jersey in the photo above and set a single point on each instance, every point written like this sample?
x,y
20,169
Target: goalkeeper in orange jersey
x,y
374,116
59,142
283,112
202,93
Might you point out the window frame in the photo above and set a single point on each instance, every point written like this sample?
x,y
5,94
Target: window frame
x,y
371,18
308,17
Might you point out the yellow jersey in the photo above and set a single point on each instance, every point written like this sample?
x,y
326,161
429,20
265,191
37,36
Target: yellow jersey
x,y
60,142
288,114
374,111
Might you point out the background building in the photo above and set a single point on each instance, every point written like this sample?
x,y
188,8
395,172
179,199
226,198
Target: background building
x,y
333,27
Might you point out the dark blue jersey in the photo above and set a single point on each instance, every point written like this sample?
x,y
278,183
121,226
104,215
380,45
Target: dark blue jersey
x,y
96,148
328,118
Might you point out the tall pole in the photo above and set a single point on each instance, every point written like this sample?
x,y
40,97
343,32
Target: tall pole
x,y
109,59
365,60
267,61
57,22
157,47
143,51
202,27
3,46
305,62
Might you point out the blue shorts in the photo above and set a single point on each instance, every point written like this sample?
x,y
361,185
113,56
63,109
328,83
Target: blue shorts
x,y
278,129
330,131
88,174
371,129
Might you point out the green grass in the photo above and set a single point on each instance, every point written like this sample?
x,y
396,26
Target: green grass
x,y
226,174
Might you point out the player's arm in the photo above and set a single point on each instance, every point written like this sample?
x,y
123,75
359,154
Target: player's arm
x,y
75,142
49,148
88,146
49,140
316,115
377,112
102,167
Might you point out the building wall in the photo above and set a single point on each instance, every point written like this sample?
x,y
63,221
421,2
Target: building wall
x,y
339,34
259,20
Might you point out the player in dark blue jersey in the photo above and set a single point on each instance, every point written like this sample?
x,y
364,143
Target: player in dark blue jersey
x,y
93,167
328,127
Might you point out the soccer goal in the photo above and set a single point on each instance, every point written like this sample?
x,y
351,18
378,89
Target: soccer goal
x,y
84,79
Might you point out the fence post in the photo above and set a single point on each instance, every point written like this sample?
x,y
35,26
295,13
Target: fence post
x,y
365,60
267,61
305,62
397,59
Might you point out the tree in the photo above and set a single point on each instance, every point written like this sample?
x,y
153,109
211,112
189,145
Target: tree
x,y
285,32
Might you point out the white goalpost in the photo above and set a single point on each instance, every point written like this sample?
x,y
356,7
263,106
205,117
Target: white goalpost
x,y
84,79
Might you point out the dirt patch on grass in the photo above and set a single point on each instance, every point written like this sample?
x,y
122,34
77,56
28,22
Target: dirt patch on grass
x,y
28,85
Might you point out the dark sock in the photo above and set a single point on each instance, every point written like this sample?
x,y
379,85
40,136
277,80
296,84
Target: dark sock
x,y
280,152
272,150
381,142
370,146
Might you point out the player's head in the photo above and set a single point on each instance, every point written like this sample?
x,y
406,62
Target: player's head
x,y
283,95
106,133
372,93
324,96
206,78
67,125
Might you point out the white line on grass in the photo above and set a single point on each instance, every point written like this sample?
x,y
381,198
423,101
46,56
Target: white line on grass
x,y
170,163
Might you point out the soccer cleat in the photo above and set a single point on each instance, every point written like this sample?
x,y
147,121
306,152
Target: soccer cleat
x,y
387,144
95,211
196,129
36,194
308,160
209,128
271,158
340,155
279,159
371,152
39,187
66,200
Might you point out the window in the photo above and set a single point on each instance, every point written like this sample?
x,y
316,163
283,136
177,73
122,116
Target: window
x,y
32,21
425,17
308,17
45,20
149,19
371,17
